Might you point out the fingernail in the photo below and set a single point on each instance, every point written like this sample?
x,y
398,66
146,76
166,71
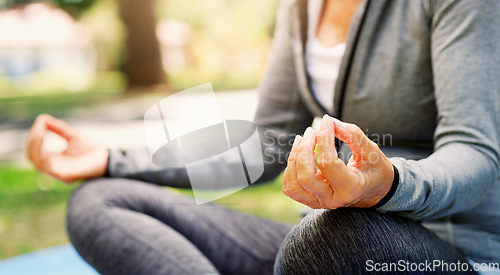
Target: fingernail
x,y
339,123
308,132
296,141
324,120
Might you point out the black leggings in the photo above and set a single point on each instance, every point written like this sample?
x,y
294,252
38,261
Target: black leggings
x,y
122,226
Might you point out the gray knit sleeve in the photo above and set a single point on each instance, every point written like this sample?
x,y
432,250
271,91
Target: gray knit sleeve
x,y
466,68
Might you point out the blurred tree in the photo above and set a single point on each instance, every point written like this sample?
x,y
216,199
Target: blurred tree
x,y
142,63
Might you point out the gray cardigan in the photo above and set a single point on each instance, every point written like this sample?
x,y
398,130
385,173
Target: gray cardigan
x,y
422,74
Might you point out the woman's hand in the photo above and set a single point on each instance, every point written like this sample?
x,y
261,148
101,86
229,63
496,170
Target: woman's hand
x,y
83,158
324,181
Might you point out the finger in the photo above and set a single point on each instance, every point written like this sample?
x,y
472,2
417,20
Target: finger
x,y
306,158
333,168
308,176
361,146
293,190
326,136
291,187
290,173
60,127
35,139
296,143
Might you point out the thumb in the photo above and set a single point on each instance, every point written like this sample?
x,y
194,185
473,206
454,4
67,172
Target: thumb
x,y
353,136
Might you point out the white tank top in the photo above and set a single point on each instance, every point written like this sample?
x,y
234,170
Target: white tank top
x,y
322,63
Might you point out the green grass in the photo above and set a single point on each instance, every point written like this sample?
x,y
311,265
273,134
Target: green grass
x,y
32,208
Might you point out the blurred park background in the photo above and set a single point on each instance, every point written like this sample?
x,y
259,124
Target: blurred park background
x,y
99,65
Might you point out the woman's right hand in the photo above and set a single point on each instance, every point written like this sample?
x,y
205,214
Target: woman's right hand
x,y
82,159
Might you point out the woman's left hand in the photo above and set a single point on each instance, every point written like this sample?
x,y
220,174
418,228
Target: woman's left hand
x,y
323,180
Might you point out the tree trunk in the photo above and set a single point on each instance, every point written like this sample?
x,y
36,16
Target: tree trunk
x,y
143,66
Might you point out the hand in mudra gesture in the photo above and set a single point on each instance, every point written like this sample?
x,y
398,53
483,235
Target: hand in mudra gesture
x,y
82,159
322,180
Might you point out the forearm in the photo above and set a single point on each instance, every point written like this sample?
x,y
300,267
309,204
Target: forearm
x,y
137,163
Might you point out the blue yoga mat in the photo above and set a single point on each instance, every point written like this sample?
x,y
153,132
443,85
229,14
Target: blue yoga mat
x,y
59,260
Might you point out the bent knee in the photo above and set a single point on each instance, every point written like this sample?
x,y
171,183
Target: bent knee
x,y
345,240
87,203
90,193
99,191
329,240
303,251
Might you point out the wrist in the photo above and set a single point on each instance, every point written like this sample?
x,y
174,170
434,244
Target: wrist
x,y
390,193
106,166
101,168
